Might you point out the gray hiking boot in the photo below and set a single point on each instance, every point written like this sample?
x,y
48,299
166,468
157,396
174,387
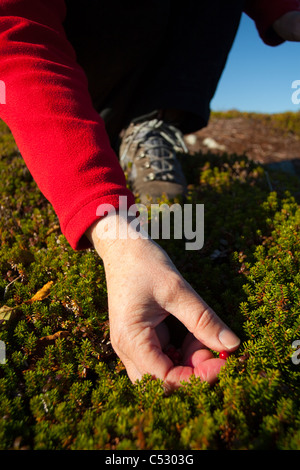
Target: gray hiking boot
x,y
148,156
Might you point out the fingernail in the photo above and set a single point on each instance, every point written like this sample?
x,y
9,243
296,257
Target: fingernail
x,y
229,339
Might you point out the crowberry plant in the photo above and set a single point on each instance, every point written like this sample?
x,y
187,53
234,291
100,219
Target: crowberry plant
x,y
62,386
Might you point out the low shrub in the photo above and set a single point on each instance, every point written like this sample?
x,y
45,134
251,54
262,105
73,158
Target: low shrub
x,y
62,386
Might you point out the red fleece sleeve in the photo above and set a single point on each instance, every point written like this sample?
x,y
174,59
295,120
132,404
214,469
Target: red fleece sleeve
x,y
50,114
265,13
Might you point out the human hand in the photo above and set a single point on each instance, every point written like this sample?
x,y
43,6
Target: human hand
x,y
144,288
288,26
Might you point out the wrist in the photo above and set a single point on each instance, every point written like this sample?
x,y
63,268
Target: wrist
x,y
113,233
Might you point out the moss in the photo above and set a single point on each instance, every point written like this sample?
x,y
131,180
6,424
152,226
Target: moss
x,y
62,386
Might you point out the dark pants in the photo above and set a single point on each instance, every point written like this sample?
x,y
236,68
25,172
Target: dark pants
x,y
143,56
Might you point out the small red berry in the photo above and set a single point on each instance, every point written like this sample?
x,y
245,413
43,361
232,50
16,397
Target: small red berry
x,y
224,355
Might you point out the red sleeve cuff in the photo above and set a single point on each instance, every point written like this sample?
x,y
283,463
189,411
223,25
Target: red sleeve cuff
x,y
74,230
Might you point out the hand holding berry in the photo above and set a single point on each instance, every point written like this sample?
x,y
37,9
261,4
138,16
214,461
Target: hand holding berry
x,y
144,288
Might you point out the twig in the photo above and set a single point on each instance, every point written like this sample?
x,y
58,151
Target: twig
x,y
269,181
6,288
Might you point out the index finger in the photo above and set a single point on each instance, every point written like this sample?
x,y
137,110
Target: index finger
x,y
147,357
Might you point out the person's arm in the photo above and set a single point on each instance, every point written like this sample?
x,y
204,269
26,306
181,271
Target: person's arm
x,y
49,111
276,20
64,144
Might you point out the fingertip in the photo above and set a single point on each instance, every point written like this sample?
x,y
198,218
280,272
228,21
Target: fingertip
x,y
229,340
205,365
197,357
209,370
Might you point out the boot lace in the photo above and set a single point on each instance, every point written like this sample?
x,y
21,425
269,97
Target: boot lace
x,y
160,142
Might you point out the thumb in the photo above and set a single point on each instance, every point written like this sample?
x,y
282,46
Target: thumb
x,y
201,320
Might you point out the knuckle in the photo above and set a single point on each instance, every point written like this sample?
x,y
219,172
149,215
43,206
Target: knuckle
x,y
117,338
123,339
205,320
175,285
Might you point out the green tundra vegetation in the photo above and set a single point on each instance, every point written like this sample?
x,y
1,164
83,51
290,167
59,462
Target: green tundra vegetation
x,y
289,122
62,386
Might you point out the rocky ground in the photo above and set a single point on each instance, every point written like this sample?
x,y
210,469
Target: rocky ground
x,y
265,143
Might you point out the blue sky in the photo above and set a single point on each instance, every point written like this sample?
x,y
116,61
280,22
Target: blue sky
x,y
258,77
